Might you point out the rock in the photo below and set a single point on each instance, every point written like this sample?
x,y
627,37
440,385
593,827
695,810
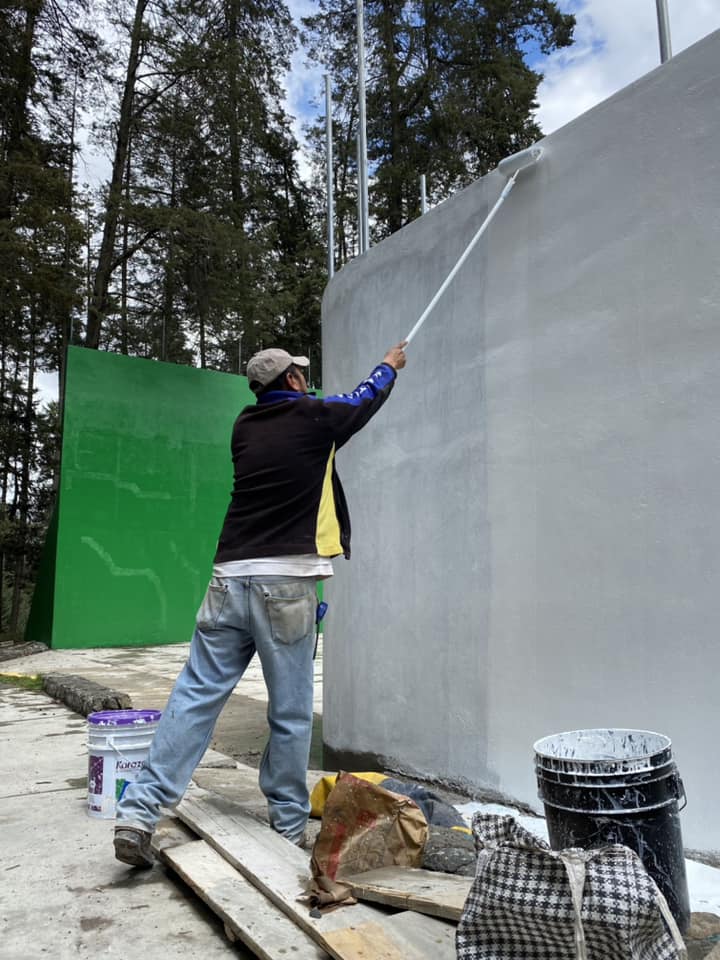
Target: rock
x,y
84,696
449,851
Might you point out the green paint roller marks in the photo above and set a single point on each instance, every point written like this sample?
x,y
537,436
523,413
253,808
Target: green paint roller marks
x,y
118,743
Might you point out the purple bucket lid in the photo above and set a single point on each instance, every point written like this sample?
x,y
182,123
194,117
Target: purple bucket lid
x,y
123,718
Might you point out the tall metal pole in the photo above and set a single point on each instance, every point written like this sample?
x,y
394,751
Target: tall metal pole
x,y
361,247
664,30
329,165
423,195
362,123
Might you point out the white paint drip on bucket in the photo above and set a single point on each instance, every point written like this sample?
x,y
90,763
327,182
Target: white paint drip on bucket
x,y
118,743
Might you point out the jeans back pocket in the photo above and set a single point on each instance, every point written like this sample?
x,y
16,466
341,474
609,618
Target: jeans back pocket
x,y
212,606
291,611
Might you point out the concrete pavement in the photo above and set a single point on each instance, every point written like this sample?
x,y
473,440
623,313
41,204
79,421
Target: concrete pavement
x,y
62,892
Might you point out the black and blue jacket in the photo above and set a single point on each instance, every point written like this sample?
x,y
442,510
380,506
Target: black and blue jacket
x,y
287,497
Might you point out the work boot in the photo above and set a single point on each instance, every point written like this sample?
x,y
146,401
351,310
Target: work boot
x,y
133,846
301,842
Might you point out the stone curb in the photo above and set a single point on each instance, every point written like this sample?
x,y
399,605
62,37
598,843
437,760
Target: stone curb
x,y
12,651
84,696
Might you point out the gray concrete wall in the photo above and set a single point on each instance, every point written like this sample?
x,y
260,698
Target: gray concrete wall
x,y
536,511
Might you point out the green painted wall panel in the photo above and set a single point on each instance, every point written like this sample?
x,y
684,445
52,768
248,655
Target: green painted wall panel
x,y
146,478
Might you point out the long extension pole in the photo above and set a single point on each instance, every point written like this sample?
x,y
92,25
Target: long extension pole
x,y
329,167
510,167
362,124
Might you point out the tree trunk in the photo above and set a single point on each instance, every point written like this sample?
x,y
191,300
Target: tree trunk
x,y
24,492
66,319
202,316
169,265
233,133
16,123
99,300
124,267
3,486
392,94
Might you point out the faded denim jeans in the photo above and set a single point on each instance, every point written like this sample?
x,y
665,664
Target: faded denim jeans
x,y
239,615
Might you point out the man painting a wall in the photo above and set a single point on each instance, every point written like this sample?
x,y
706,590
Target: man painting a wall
x,y
287,518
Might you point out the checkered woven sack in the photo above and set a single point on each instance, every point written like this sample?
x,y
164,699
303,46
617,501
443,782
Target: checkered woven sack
x,y
528,902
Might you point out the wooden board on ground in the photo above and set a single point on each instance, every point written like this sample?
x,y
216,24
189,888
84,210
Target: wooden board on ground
x,y
425,891
247,914
170,832
239,783
281,871
405,936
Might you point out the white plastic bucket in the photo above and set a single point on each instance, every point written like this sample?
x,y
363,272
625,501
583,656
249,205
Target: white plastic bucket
x,y
118,743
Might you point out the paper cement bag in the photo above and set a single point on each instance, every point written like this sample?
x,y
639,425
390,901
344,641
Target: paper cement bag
x,y
364,827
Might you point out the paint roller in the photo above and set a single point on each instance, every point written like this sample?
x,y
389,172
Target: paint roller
x,y
510,168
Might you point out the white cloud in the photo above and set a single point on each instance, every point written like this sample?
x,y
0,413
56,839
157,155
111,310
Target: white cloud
x,y
46,384
305,88
616,41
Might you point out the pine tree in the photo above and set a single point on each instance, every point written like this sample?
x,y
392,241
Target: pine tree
x,y
449,90
40,237
228,255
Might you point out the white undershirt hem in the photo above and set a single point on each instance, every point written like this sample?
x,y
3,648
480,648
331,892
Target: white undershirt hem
x,y
299,565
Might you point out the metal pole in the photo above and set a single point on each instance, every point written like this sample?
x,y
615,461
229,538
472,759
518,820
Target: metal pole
x,y
663,30
240,354
329,164
423,195
362,171
361,245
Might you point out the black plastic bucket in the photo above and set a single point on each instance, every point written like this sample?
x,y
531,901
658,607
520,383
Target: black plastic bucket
x,y
617,786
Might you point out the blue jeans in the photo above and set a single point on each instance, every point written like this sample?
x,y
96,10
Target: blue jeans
x,y
239,615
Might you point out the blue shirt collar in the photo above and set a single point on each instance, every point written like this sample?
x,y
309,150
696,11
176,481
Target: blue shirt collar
x,y
275,396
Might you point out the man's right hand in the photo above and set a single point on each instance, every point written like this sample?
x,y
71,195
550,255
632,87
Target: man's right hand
x,y
395,357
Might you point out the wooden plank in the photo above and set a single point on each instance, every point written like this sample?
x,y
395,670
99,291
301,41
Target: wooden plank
x,y
431,936
368,941
249,915
240,784
425,891
281,871
422,937
170,832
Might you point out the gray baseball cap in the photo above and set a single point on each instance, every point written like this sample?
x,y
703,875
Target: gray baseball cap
x,y
266,365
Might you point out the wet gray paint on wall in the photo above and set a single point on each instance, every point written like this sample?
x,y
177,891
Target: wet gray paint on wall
x,y
536,511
